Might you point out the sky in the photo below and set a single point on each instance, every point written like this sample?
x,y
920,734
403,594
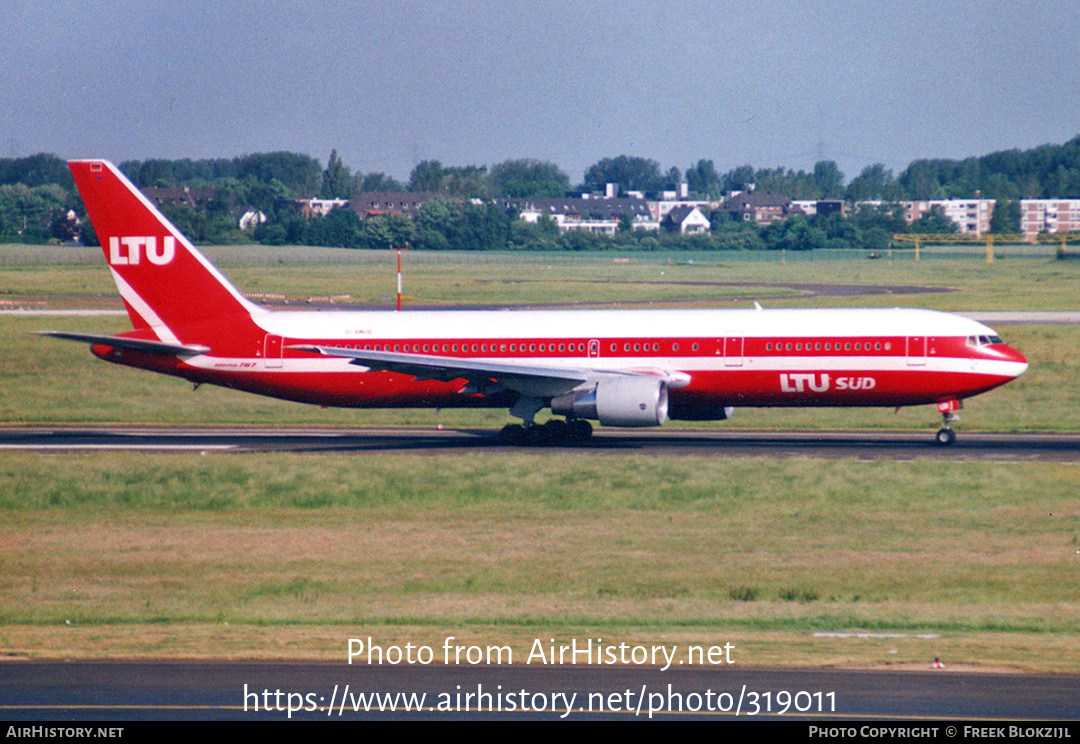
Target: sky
x,y
388,84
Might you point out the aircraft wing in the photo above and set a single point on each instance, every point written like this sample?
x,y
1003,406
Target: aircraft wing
x,y
135,344
527,379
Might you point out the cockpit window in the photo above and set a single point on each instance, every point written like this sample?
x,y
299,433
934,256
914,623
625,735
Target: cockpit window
x,y
977,341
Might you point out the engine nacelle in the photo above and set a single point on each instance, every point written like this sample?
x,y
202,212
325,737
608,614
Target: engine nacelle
x,y
629,401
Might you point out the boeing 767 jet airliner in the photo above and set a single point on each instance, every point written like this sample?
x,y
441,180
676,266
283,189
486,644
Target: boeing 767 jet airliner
x,y
617,367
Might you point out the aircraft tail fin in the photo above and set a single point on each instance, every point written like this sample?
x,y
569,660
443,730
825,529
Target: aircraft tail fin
x,y
168,286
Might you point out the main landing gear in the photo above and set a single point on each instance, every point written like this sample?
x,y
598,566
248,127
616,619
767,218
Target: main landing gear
x,y
551,432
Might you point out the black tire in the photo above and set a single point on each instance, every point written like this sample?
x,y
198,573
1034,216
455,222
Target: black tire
x,y
556,431
512,434
945,437
536,436
579,430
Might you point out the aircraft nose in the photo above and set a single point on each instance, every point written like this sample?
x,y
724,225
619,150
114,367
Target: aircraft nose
x,y
1013,355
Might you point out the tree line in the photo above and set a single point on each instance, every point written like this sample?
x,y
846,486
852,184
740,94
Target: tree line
x,y
37,192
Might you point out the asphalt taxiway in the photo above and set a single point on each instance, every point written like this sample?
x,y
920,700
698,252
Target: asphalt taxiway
x,y
1008,447
199,690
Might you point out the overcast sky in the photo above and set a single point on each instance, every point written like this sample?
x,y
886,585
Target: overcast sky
x,y
388,84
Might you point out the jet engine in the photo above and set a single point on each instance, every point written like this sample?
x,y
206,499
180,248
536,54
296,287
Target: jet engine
x,y
626,401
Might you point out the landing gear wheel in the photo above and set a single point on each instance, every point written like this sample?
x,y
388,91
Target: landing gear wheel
x,y
579,430
945,437
512,434
556,431
535,435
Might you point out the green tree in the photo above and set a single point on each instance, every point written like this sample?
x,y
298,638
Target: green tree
x,y
36,170
630,173
1006,217
480,227
466,181
377,182
427,176
934,222
703,179
301,174
870,185
519,179
336,181
432,224
339,229
541,235
829,179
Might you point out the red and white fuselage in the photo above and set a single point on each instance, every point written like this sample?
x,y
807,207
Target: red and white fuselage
x,y
894,357
693,364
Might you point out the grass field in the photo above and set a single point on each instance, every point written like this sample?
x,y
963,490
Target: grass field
x,y
78,275
286,556
507,547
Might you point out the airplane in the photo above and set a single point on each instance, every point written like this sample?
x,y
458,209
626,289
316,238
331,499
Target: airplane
x,y
622,368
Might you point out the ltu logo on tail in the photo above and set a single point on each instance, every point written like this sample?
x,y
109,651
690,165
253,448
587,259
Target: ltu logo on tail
x,y
129,251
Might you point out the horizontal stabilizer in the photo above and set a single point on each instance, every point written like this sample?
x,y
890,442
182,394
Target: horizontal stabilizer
x,y
135,344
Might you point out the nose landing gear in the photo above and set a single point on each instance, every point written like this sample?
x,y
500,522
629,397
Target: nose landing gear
x,y
945,435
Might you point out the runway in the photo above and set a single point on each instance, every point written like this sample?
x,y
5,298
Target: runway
x,y
869,445
183,690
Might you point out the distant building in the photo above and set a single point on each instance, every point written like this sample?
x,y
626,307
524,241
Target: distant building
x,y
375,203
1049,216
320,207
762,207
659,208
811,207
185,196
971,216
251,218
594,214
686,220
